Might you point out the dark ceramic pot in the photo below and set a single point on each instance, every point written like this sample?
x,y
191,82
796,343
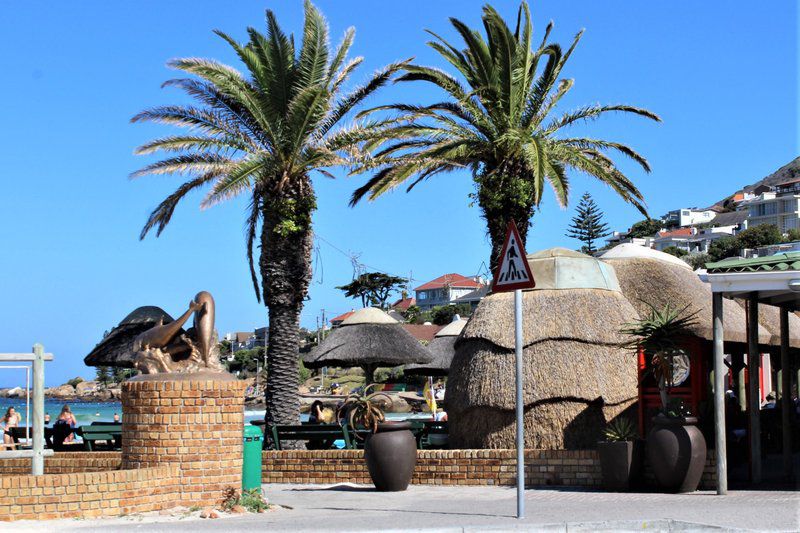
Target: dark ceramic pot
x,y
676,450
621,464
391,456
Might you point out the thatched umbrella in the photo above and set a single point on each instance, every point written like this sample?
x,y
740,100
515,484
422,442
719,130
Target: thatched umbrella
x,y
653,278
442,348
368,338
576,375
769,316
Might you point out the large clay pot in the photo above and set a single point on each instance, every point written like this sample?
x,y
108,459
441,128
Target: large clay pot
x,y
621,464
676,450
391,455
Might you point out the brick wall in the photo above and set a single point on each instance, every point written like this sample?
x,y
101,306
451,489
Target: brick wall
x,y
193,424
66,463
571,468
88,494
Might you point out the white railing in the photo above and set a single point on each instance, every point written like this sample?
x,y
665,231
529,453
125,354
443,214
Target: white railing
x,y
36,359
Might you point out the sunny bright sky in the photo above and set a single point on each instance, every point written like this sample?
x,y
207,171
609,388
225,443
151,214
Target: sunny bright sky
x,y
722,74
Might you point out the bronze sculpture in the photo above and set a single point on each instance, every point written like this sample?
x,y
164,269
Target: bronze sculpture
x,y
152,342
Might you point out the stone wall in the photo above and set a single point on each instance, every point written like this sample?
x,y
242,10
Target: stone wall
x,y
66,463
88,494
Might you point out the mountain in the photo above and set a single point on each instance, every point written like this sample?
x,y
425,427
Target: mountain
x,y
788,172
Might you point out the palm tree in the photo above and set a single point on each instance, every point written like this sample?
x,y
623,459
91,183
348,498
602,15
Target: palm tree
x,y
261,135
499,126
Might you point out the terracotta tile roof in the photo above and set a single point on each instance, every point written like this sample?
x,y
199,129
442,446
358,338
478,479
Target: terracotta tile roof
x,y
341,317
450,280
681,232
404,303
423,332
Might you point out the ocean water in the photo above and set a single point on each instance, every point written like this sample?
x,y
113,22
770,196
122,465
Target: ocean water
x,y
88,412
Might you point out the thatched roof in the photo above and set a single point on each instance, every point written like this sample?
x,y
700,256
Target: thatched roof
x,y
573,363
769,316
648,281
442,348
628,250
368,337
591,316
116,348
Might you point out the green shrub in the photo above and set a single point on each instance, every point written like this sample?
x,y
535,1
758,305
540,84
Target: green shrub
x,y
74,381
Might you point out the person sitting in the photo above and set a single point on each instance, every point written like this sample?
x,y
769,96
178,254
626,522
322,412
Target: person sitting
x,y
46,418
66,418
315,413
440,416
10,420
116,418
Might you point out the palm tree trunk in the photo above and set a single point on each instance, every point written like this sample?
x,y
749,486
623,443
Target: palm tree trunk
x,y
498,208
285,270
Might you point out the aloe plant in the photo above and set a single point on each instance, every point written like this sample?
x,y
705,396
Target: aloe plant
x,y
658,333
363,409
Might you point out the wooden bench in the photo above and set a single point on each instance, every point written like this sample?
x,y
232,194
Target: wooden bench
x,y
435,435
322,433
111,433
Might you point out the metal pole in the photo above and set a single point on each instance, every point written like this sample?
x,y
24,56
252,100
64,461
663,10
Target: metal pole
x,y
520,405
37,462
719,395
786,397
754,400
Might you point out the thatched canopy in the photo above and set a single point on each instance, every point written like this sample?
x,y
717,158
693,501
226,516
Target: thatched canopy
x,y
769,317
369,338
576,376
442,348
116,348
651,281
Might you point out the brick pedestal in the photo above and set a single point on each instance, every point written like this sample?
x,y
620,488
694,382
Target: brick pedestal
x,y
193,421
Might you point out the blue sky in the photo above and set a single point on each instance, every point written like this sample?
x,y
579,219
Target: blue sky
x,y
722,74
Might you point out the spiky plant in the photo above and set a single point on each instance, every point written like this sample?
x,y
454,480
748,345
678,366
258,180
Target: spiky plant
x,y
364,410
501,126
658,334
620,429
261,135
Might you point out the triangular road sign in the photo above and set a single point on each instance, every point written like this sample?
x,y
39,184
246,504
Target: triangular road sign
x,y
513,271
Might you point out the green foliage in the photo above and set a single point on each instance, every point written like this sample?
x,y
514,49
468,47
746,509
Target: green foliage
x,y
303,372
645,228
252,500
761,235
74,381
121,374
388,375
674,250
498,120
587,225
412,314
374,288
247,362
620,429
443,315
697,260
103,376
793,235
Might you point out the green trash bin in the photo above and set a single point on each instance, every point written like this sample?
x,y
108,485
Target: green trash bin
x,y
251,465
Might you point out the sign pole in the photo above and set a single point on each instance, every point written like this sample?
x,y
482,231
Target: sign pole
x,y
520,405
513,273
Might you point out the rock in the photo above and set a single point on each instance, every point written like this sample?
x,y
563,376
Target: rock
x,y
116,392
85,388
238,509
16,392
213,514
4,393
64,391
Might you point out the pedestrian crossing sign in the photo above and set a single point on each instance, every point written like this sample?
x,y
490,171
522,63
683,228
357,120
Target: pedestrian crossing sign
x,y
513,271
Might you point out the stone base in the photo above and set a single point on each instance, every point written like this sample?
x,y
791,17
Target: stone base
x,y
195,424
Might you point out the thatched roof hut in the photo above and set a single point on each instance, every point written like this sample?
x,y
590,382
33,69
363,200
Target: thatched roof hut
x,y
368,338
769,317
442,348
653,278
576,376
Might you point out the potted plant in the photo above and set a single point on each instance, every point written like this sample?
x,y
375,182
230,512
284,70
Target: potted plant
x,y
390,448
676,449
620,455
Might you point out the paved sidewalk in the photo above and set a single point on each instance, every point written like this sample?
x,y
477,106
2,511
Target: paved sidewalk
x,y
422,507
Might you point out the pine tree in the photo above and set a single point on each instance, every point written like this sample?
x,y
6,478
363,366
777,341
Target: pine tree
x,y
103,376
587,225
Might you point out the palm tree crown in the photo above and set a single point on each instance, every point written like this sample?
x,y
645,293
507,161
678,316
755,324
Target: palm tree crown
x,y
500,126
260,135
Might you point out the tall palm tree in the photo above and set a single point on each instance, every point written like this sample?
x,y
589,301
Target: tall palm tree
x,y
499,126
261,135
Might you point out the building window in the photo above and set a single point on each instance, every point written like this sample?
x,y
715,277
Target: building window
x,y
422,295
